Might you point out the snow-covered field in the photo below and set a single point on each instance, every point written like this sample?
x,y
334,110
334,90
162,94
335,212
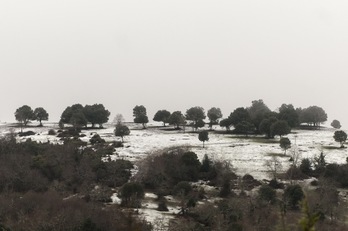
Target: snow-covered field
x,y
246,155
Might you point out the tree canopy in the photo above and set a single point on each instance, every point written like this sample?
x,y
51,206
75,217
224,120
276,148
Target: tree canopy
x,y
214,114
288,113
24,114
341,137
79,116
162,116
239,115
140,116
285,144
313,115
121,130
195,114
96,114
336,124
177,119
280,128
40,114
258,111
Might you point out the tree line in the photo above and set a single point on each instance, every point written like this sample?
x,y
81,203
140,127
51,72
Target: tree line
x,y
257,118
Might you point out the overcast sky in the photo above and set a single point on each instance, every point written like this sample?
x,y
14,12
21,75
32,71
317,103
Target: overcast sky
x,y
173,54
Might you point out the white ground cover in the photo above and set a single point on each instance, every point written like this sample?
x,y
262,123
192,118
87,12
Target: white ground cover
x,y
246,155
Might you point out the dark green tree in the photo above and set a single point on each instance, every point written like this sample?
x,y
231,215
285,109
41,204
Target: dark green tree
x,y
244,128
280,128
267,193
78,120
140,116
239,115
214,114
336,124
258,111
203,136
122,130
226,123
67,114
288,113
177,119
96,114
265,126
132,194
313,115
162,116
195,114
24,114
293,195
40,114
341,137
285,144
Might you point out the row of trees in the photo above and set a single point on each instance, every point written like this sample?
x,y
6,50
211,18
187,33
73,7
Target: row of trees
x,y
256,118
79,116
25,114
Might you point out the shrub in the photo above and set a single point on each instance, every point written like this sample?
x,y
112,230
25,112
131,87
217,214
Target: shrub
x,y
131,194
182,188
52,132
293,194
96,139
267,193
306,167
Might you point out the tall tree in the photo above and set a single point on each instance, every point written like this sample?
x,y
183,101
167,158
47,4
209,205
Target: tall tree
x,y
258,111
214,114
265,126
239,115
40,114
78,120
195,114
162,116
24,114
140,116
288,113
313,115
69,111
177,119
96,114
280,128
226,123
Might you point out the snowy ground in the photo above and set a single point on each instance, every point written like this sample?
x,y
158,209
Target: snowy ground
x,y
246,155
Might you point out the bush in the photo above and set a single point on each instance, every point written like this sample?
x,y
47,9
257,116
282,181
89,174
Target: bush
x,y
52,132
28,133
306,167
293,194
183,188
96,139
132,194
267,193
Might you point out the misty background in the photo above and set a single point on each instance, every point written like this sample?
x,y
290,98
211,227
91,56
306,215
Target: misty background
x,y
173,55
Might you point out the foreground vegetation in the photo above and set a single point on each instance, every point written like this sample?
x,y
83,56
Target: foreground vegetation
x,y
69,187
61,187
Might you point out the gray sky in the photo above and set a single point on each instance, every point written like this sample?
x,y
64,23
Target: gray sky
x,y
173,54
